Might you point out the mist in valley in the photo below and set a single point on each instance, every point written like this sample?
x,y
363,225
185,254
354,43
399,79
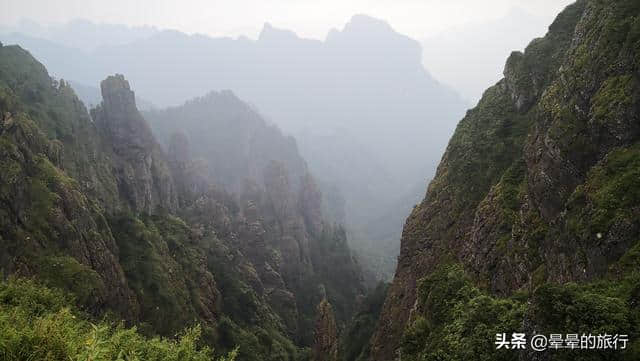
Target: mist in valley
x,y
371,110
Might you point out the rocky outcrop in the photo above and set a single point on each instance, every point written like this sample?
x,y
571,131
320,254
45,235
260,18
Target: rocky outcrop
x,y
519,196
325,336
142,172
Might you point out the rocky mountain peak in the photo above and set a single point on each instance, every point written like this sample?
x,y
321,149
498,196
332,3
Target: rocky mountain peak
x,y
116,90
118,116
270,33
362,22
144,178
366,28
364,37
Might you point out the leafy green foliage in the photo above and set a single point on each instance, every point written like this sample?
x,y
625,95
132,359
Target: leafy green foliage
x,y
40,323
615,95
153,273
459,321
257,343
27,92
67,273
486,142
608,198
596,308
166,265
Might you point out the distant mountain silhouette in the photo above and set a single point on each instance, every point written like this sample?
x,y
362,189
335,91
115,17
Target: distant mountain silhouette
x,y
361,104
81,33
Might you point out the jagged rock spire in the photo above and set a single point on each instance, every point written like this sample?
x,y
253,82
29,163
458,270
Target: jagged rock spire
x,y
144,180
325,338
120,119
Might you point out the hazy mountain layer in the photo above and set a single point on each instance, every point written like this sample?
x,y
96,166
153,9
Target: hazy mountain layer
x,y
231,137
370,120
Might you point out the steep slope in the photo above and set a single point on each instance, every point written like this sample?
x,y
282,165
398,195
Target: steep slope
x,y
538,187
96,208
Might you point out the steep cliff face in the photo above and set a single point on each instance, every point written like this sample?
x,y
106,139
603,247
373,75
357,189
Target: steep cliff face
x,y
537,186
51,172
142,172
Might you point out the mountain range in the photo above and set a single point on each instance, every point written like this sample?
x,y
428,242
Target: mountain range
x,y
361,105
94,204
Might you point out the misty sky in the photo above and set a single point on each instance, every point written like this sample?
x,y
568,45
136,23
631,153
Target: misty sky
x,y
465,42
308,18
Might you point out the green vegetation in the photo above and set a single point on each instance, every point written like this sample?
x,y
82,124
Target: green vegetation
x,y
614,96
58,123
258,343
39,323
614,186
168,268
461,322
153,274
354,340
66,273
607,200
458,321
334,270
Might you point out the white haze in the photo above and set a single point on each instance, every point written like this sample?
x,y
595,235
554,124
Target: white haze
x,y
471,57
415,18
466,41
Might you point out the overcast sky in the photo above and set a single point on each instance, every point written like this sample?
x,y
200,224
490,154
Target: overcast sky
x,y
308,18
